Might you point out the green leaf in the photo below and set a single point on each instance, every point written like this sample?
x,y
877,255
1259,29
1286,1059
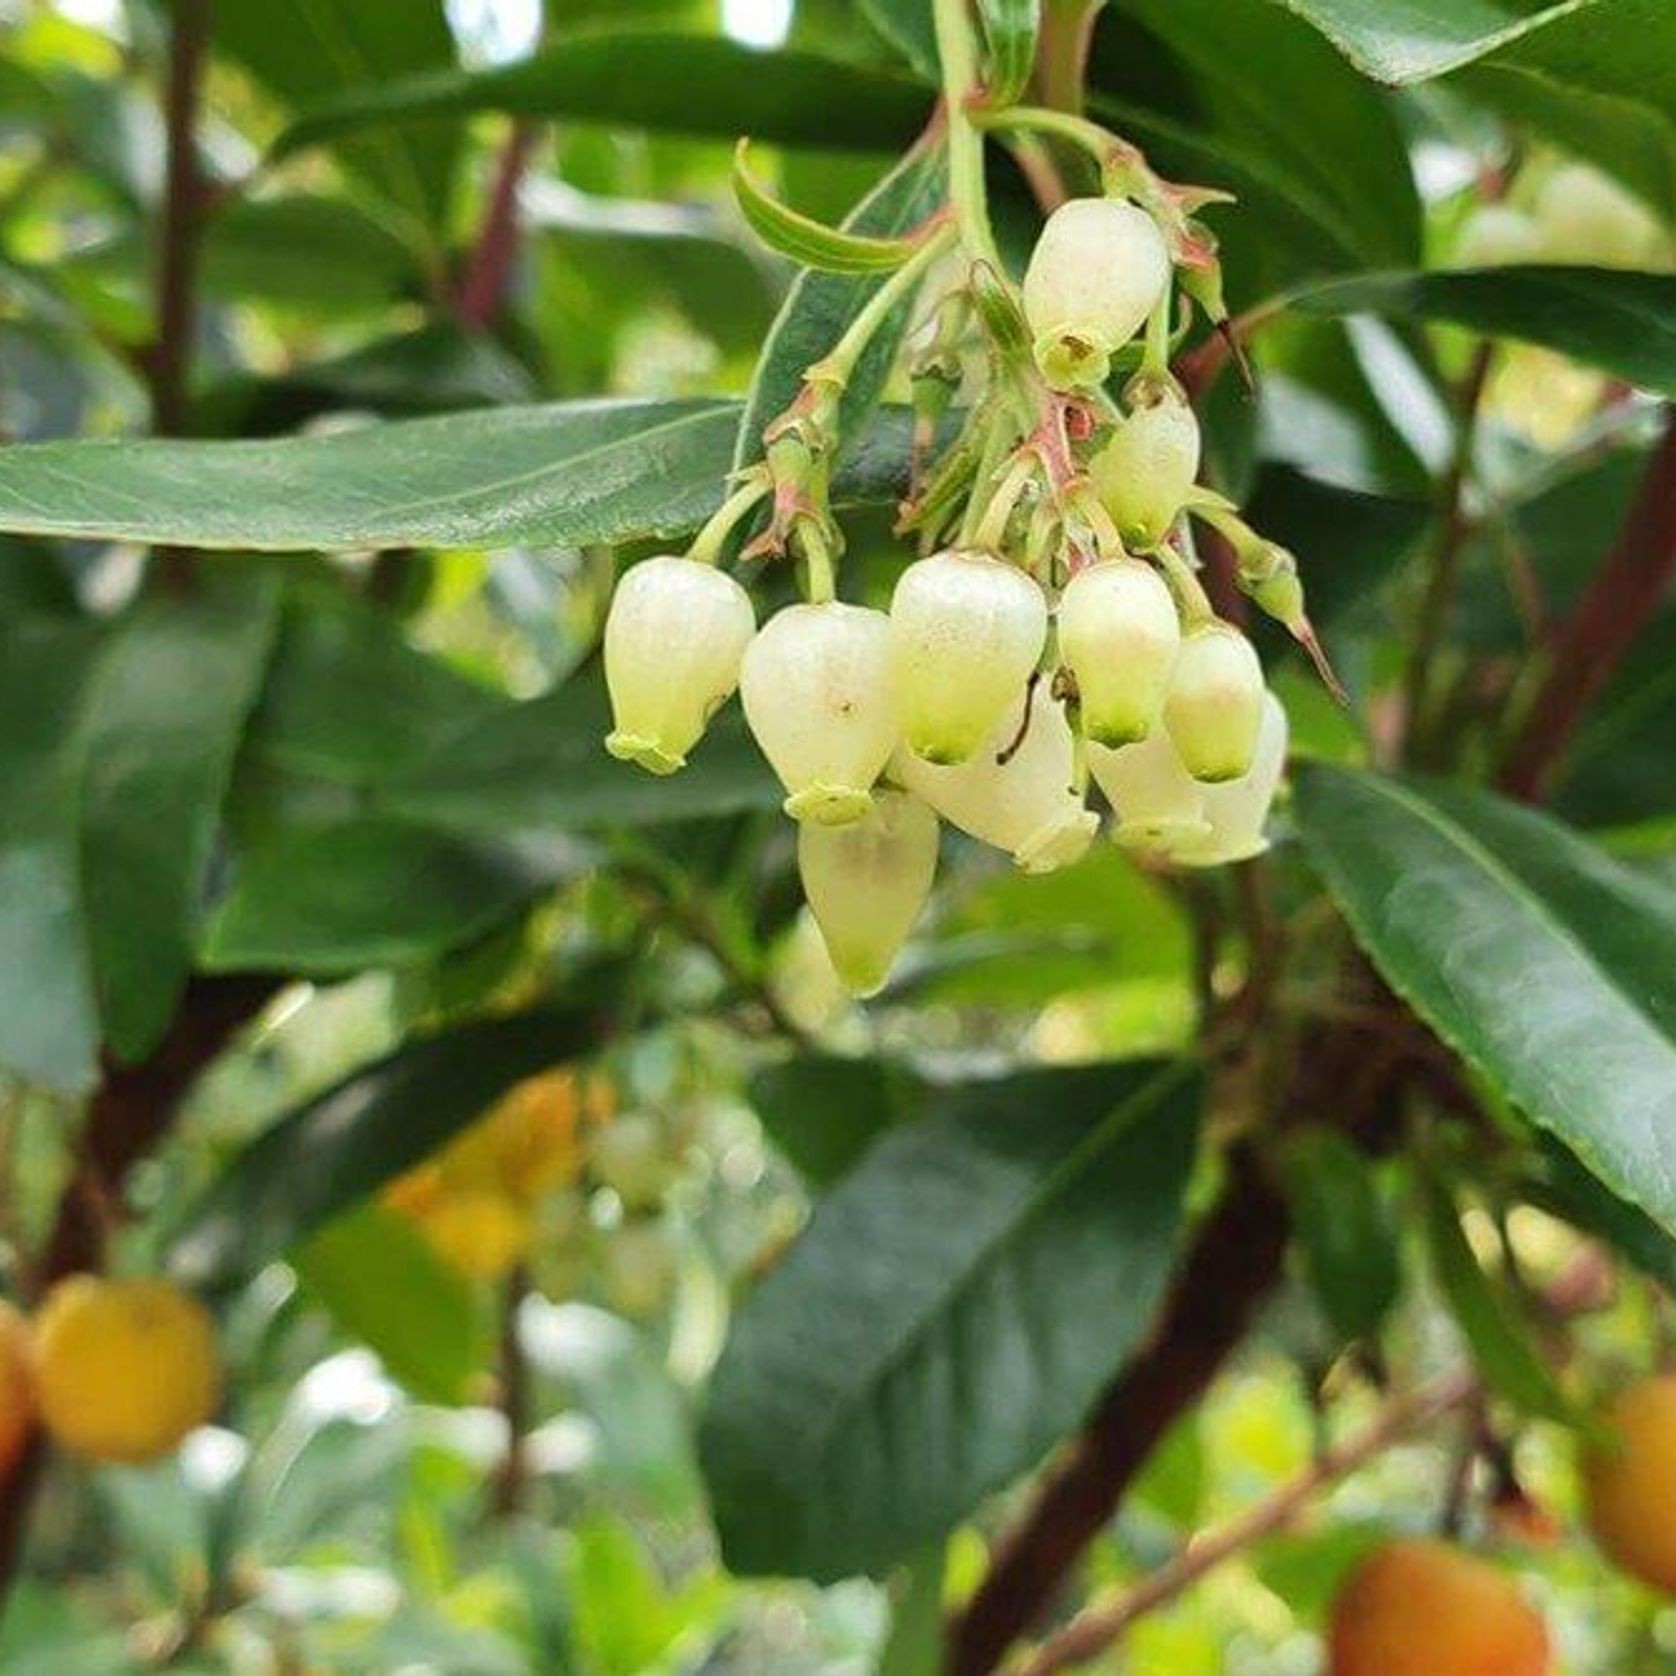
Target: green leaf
x,y
563,473
819,307
805,240
347,1143
1010,27
1624,323
305,51
934,1330
167,711
590,471
1317,131
542,766
823,1111
704,85
49,1028
1501,1343
1547,966
1347,1236
381,1282
349,699
334,900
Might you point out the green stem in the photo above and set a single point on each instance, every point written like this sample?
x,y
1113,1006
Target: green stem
x,y
957,48
1100,143
839,366
707,544
1062,53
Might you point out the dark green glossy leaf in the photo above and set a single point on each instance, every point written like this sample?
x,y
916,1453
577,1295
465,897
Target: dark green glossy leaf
x,y
927,1339
49,1028
805,240
167,711
1624,323
556,474
823,1112
542,766
1501,1342
349,699
306,51
682,84
1547,966
819,307
347,1143
382,1284
1316,131
1347,1237
332,900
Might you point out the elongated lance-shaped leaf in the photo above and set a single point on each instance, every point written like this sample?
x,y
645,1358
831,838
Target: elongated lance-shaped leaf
x,y
806,241
953,1309
820,306
1622,322
556,473
655,79
1546,965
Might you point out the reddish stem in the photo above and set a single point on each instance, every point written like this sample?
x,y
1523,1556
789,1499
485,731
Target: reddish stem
x,y
1623,598
488,276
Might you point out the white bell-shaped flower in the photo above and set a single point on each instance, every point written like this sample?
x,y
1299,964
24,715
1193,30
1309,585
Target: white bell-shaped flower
x,y
1238,811
818,694
674,638
1215,703
966,631
1025,805
867,882
1098,270
1158,804
1145,472
1119,636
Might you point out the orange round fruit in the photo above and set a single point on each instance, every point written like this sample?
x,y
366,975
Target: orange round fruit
x,y
1630,1482
1422,1608
17,1388
481,1232
124,1369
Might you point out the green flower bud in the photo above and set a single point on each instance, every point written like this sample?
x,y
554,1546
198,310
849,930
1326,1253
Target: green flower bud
x,y
1498,236
818,694
1238,810
966,631
867,882
674,638
1098,270
1158,804
1026,804
1215,703
1145,473
1119,636
1587,218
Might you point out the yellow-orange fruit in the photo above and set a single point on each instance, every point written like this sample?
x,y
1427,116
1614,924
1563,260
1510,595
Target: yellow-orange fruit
x,y
1418,1608
17,1388
1630,1482
481,1232
124,1369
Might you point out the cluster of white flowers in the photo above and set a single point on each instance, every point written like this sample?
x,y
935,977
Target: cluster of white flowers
x,y
1571,214
1010,670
